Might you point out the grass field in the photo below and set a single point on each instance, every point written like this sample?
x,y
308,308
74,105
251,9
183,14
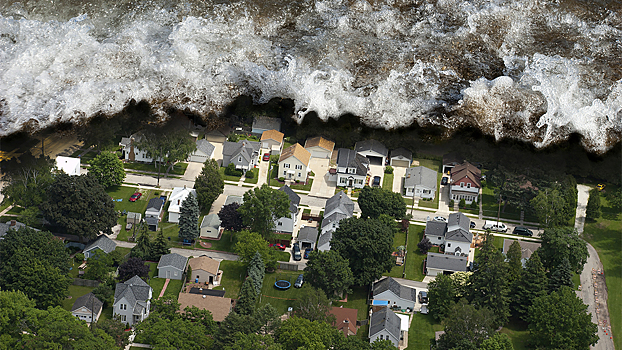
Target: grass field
x,y
518,333
421,331
225,243
178,168
303,187
255,178
75,292
414,258
221,170
232,277
280,299
490,206
387,183
398,240
124,193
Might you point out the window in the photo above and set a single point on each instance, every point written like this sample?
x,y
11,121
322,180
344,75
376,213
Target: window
x,y
439,238
360,182
380,336
240,159
462,184
299,174
343,180
123,318
122,306
280,224
351,170
469,185
298,167
448,245
286,165
284,172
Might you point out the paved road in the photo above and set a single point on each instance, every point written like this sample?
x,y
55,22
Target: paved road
x,y
188,252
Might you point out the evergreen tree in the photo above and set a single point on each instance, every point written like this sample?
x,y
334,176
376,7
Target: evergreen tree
x,y
269,318
159,246
441,296
142,249
257,269
593,210
561,276
531,284
247,298
514,262
189,219
209,185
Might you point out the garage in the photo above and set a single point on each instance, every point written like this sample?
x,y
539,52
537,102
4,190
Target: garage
x,y
320,154
375,160
198,158
400,163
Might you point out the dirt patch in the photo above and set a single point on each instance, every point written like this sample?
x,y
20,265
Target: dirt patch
x,y
206,245
600,299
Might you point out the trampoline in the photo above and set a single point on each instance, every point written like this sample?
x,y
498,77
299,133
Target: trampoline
x,y
282,284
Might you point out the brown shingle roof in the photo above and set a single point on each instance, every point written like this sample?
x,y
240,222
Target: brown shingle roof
x,y
205,263
466,169
342,315
272,135
298,152
218,306
320,142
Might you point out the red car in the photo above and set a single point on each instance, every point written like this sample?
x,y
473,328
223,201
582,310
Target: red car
x,y
266,156
278,246
135,196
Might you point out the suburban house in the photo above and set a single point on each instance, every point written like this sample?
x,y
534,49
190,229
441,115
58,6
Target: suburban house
x,y
396,294
465,183
205,270
307,237
204,151
527,248
454,234
101,244
218,135
87,308
69,165
444,264
373,150
233,199
11,224
294,163
345,320
154,213
130,152
172,266
320,147
177,198
337,208
272,140
220,307
401,157
243,154
420,182
450,160
385,325
352,168
132,300
261,124
210,227
286,224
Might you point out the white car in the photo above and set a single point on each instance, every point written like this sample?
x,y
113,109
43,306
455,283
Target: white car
x,y
440,219
495,226
424,309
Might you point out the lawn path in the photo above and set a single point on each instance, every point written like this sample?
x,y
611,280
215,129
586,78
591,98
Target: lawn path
x,y
164,288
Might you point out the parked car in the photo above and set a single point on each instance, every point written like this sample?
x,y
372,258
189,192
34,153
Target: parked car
x,y
495,226
136,196
297,255
440,219
376,182
307,252
423,297
472,225
299,281
266,156
523,231
600,187
444,180
277,246
424,310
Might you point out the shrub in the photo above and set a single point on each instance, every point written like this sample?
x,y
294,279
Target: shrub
x,y
474,205
282,179
188,274
79,257
388,170
249,174
233,138
232,171
462,203
451,203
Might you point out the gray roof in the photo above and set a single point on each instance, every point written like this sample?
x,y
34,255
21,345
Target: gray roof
x,y
267,123
334,217
307,234
385,319
435,228
211,220
89,301
234,199
155,203
131,215
125,141
402,152
325,238
151,221
174,260
102,242
458,228
371,145
243,148
420,176
394,286
134,290
4,227
446,262
347,158
342,201
205,146
294,198
527,248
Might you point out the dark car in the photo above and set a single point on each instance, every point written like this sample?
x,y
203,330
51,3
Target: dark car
x,y
135,196
523,231
266,156
376,182
472,225
444,181
299,281
307,252
297,255
423,297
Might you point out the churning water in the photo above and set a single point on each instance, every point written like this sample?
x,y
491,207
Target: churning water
x,y
536,70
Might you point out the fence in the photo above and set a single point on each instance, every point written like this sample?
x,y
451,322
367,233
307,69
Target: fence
x,y
289,266
85,283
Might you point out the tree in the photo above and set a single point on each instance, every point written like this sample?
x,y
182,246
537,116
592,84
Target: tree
x,y
614,197
497,342
531,285
424,245
250,243
367,245
105,293
489,282
230,218
98,267
550,207
233,324
383,344
176,333
142,249
593,210
465,325
515,265
257,270
189,219
313,305
107,169
209,185
159,246
27,179
329,272
79,205
296,333
247,298
133,267
462,283
560,321
561,276
441,296
268,318
374,201
253,341
100,131
563,243
115,329
262,207
30,259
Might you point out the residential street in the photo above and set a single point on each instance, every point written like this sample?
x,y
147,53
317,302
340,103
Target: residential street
x,y
188,252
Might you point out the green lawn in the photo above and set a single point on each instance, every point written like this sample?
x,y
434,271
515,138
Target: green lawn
x,y
490,206
387,183
274,171
303,187
221,170
255,178
283,256
15,210
604,235
157,284
518,333
421,331
398,240
233,273
280,299
124,193
5,204
225,244
178,168
173,288
414,258
433,203
75,292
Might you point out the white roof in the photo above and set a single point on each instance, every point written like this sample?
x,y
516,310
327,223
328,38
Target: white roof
x,y
404,322
68,165
177,198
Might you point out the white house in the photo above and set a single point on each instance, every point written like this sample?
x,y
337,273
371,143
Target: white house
x,y
320,147
132,300
131,152
465,183
337,208
172,266
153,213
439,264
420,182
272,140
205,270
87,308
294,163
176,200
286,224
385,325
373,150
100,244
204,151
455,235
70,165
397,295
352,168
243,154
210,227
401,157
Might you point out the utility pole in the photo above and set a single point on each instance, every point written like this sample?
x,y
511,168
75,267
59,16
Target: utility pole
x,y
499,211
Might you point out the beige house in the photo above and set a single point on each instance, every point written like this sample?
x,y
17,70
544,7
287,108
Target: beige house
x,y
294,163
219,307
87,308
272,140
205,270
320,147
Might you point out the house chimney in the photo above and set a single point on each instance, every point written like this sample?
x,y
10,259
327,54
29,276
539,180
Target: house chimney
x,y
13,223
184,187
179,200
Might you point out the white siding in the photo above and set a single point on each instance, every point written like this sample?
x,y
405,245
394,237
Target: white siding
x,y
394,300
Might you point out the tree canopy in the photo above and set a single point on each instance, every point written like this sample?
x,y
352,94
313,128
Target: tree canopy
x,y
593,210
441,296
230,218
531,284
262,207
133,267
299,332
209,185
551,207
313,305
330,272
375,201
108,169
563,243
466,327
250,243
189,219
28,179
79,206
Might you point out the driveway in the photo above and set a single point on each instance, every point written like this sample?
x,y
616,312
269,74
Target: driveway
x,y
321,187
398,178
192,171
376,170
263,172
443,203
217,152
